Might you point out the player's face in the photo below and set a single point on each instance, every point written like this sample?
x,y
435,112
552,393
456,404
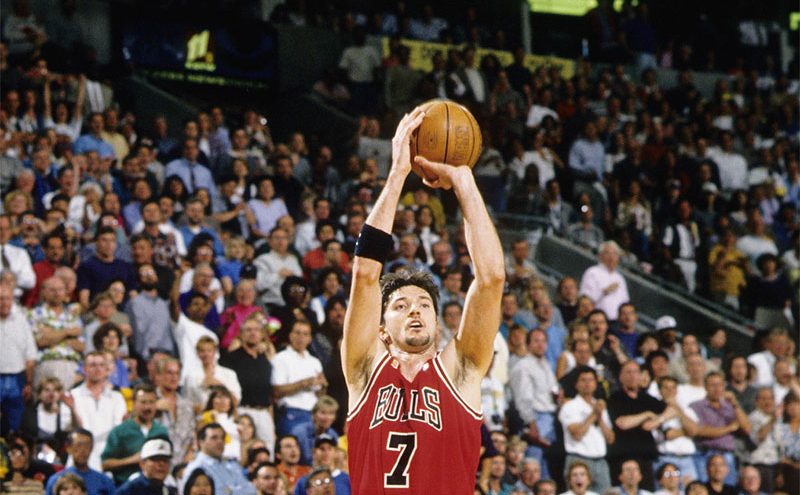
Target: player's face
x,y
410,319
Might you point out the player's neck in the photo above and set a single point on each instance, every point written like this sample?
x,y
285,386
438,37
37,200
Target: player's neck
x,y
411,362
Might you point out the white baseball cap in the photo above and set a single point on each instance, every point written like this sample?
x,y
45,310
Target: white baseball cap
x,y
666,322
156,447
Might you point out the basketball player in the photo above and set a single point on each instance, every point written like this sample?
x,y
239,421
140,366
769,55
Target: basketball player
x,y
415,414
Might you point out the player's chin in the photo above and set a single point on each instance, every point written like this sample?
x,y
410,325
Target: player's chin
x,y
418,340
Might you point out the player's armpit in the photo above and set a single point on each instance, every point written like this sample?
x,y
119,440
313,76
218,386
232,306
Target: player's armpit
x,y
361,323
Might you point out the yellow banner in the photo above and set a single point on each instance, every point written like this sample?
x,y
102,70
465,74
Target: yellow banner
x,y
422,54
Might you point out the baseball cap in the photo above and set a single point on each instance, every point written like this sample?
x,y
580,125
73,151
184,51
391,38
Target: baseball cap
x,y
156,447
324,438
666,322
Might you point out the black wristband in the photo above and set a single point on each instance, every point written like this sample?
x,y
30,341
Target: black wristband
x,y
374,244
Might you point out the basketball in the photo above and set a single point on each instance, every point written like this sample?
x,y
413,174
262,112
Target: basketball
x,y
448,134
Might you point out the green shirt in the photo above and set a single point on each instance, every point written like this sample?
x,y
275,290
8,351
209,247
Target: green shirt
x,y
125,440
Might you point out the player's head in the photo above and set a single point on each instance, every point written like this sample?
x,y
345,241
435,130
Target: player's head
x,y
408,310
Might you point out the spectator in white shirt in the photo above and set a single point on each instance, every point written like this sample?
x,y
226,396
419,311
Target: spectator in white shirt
x,y
587,429
541,109
297,379
674,436
15,259
197,386
97,405
695,388
188,332
17,363
756,242
776,346
359,62
732,166
766,456
533,384
603,283
274,266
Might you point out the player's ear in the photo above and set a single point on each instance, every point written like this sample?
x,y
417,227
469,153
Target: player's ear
x,y
384,335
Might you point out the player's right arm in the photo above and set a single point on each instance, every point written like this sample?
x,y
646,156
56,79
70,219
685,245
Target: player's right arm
x,y
360,343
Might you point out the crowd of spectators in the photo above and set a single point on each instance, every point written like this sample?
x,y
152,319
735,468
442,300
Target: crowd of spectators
x,y
172,301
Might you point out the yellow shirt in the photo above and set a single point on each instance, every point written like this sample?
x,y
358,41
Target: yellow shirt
x,y
729,279
435,205
118,142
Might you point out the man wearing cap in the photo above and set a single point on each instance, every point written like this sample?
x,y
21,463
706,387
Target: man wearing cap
x,y
603,283
667,329
325,453
121,453
226,474
155,460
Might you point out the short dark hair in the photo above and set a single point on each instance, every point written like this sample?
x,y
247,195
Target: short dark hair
x,y
144,388
54,235
648,362
141,236
79,431
282,438
253,452
580,370
394,281
260,466
597,312
324,223
327,243
151,199
201,433
104,231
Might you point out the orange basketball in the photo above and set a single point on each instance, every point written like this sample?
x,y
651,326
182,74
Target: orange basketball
x,y
448,134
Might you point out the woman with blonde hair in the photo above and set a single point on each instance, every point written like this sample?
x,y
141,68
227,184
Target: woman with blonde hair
x,y
93,195
15,203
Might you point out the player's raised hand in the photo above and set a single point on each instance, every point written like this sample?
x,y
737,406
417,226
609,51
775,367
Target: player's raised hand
x,y
439,175
401,142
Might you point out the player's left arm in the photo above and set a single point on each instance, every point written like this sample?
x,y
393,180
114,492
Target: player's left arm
x,y
471,356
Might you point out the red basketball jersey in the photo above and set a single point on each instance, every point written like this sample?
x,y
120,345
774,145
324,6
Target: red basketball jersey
x,y
412,437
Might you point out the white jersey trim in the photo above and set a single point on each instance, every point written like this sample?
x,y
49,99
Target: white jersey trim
x,y
439,367
373,376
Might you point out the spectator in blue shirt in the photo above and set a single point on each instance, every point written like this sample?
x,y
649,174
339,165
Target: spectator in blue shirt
x,y
79,446
323,414
196,223
193,174
92,141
